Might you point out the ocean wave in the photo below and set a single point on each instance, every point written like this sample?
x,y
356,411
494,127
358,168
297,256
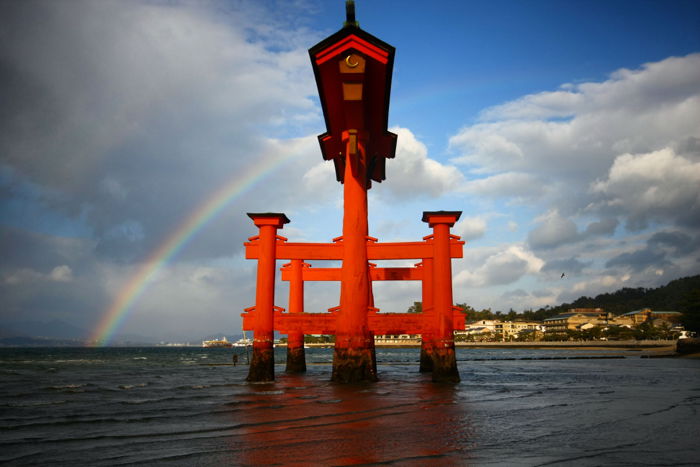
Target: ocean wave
x,y
140,401
39,403
67,387
75,360
132,386
266,393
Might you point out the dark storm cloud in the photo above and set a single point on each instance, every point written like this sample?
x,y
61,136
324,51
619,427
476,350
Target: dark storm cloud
x,y
41,252
552,232
46,277
602,227
677,242
122,118
567,266
662,248
639,259
541,293
134,113
517,293
556,230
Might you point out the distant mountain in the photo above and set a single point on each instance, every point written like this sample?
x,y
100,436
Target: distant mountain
x,y
6,331
24,341
678,295
54,329
672,297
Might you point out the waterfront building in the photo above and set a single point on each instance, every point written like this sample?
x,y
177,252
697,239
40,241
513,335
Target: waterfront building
x,y
397,339
482,326
575,319
513,329
503,330
646,315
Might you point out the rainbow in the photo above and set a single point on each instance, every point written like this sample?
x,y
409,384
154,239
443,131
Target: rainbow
x,y
117,312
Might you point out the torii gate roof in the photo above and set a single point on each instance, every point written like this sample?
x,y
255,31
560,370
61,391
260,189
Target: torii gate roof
x,y
371,110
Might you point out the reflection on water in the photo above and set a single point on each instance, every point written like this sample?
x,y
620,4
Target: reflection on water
x,y
304,420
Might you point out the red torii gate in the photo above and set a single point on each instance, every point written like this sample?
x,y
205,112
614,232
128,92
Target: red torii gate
x,y
435,323
353,73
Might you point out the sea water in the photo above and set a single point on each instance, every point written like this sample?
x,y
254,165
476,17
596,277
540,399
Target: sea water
x,y
190,406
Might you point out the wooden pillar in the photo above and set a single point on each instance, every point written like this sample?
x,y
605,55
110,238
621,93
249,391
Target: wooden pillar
x,y
262,365
296,358
427,337
443,354
353,356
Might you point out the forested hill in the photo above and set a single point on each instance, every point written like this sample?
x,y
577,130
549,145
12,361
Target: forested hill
x,y
678,295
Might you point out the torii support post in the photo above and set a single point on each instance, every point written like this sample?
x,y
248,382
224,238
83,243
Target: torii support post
x,y
442,345
426,359
353,74
296,357
262,365
353,356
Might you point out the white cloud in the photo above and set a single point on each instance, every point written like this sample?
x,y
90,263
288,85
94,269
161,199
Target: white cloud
x,y
30,276
61,274
21,276
320,178
521,300
596,160
659,185
553,230
543,105
606,282
662,85
508,184
470,228
634,111
498,266
412,173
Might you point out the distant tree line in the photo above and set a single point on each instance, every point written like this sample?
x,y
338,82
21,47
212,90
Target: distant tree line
x,y
678,295
645,331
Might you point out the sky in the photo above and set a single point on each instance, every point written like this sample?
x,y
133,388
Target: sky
x,y
135,136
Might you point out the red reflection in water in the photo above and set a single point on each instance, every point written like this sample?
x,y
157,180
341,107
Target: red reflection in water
x,y
301,421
